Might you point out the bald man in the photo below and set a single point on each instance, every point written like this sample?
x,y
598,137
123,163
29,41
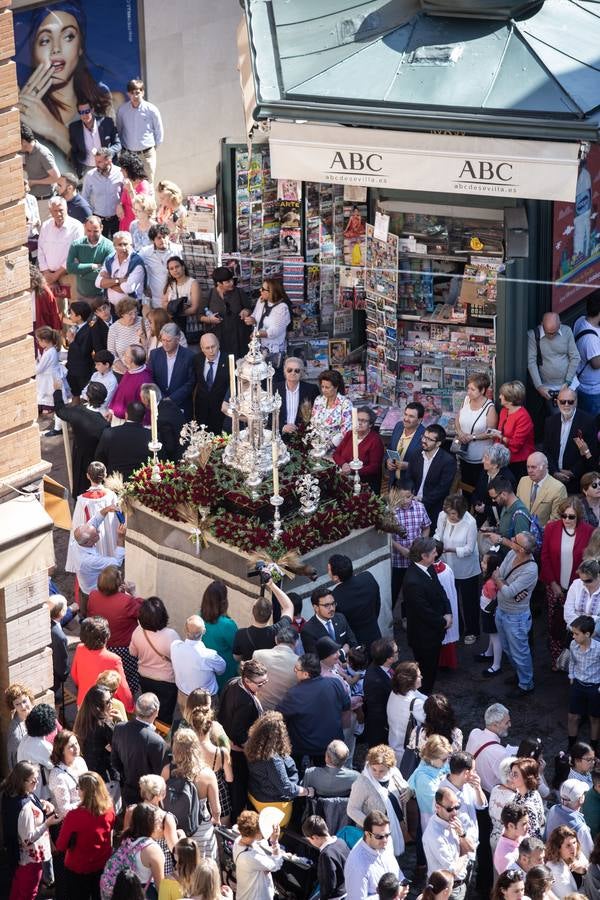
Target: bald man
x,y
89,561
570,442
552,357
539,491
194,664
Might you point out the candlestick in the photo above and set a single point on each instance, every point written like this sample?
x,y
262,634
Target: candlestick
x,y
276,502
354,433
356,465
155,447
275,458
153,417
232,391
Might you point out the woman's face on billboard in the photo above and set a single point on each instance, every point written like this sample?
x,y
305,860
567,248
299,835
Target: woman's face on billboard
x,y
58,43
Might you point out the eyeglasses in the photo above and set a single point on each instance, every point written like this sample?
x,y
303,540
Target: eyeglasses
x,y
451,808
568,516
567,402
588,759
85,110
380,837
328,605
297,371
587,580
595,484
259,683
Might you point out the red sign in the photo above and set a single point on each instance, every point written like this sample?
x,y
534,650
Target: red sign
x,y
576,238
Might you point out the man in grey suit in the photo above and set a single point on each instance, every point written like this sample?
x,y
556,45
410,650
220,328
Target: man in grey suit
x,y
333,779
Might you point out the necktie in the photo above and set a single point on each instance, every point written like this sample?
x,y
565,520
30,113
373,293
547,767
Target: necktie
x,y
534,491
329,627
210,376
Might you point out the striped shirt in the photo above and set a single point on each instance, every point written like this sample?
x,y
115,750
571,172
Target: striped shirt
x,y
584,664
413,519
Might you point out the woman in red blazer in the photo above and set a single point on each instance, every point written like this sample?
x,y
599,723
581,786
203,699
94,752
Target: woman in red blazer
x,y
370,450
565,540
91,658
86,838
515,426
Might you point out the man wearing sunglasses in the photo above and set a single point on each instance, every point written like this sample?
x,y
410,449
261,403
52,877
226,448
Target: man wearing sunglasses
x,y
570,441
446,843
88,134
370,858
297,396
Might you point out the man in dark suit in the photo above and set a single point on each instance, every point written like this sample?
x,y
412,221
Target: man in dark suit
x,y
295,395
212,381
376,690
173,370
100,131
170,422
357,597
137,749
125,448
570,441
428,613
432,472
406,440
326,622
87,424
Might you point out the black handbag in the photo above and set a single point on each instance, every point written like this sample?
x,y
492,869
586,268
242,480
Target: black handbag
x,y
411,757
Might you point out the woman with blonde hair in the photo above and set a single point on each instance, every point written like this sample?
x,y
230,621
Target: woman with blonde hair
x,y
171,211
430,772
111,680
153,790
144,207
215,753
515,426
187,763
186,859
86,838
156,318
380,786
206,883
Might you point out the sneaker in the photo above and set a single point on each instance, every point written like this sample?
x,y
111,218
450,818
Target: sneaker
x,y
52,433
470,639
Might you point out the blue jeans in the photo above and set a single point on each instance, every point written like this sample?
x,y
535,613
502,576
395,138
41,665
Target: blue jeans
x,y
589,403
514,629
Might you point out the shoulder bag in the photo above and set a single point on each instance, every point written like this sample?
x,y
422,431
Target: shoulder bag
x,y
158,653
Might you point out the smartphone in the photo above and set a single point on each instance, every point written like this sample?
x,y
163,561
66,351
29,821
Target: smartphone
x,y
120,516
393,455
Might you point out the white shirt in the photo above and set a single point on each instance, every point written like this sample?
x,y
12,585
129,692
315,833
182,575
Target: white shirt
x,y
133,285
398,713
91,139
580,602
253,867
487,762
468,809
565,430
461,537
292,399
156,269
364,867
567,545
195,666
427,460
564,883
275,324
54,243
442,848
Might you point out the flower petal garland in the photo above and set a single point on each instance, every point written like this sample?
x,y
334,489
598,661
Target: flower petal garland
x,y
240,525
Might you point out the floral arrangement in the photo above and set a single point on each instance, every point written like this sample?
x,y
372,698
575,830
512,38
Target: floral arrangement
x,y
232,513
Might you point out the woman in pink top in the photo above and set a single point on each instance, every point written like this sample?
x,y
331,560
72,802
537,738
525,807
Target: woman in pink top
x,y
151,644
91,658
128,390
134,183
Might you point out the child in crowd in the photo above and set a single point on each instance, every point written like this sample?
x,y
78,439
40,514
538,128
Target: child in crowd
x,y
488,603
103,361
49,368
584,663
354,674
515,823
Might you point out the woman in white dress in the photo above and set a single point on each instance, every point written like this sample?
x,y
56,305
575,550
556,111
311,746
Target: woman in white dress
x,y
405,698
49,368
271,315
457,531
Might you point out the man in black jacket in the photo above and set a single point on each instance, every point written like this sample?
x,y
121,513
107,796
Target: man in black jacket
x,y
297,396
89,133
326,622
238,710
377,689
432,472
212,382
87,424
428,612
357,597
169,423
570,441
137,749
125,448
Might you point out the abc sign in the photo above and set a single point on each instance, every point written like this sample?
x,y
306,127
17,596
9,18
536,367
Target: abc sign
x,y
356,162
483,170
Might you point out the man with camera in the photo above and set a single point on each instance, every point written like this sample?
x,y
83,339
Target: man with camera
x,y
261,635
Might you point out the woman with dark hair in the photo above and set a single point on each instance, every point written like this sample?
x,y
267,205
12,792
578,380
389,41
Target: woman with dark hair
x,y
127,331
565,540
583,595
113,599
439,719
26,822
220,628
509,885
227,308
85,838
476,416
92,657
148,861
68,764
538,883
332,410
182,299
134,184
151,645
525,779
271,316
457,530
578,764
94,727
80,360
370,450
590,498
565,860
45,306
273,776
405,700
60,77
439,886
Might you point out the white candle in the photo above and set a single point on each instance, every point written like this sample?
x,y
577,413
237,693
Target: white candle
x,y
153,417
354,434
275,458
231,376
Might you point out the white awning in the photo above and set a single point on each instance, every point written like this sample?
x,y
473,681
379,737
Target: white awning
x,y
439,163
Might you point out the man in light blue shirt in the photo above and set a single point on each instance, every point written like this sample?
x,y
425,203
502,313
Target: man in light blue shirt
x,y
102,189
140,126
155,259
90,561
194,665
370,858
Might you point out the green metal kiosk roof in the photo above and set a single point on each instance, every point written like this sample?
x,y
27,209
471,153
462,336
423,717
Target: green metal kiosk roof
x,y
522,69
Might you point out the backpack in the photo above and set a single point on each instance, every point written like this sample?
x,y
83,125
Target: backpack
x,y
183,802
534,527
123,858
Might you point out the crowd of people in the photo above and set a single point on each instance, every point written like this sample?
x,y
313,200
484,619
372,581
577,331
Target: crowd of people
x,y
294,726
